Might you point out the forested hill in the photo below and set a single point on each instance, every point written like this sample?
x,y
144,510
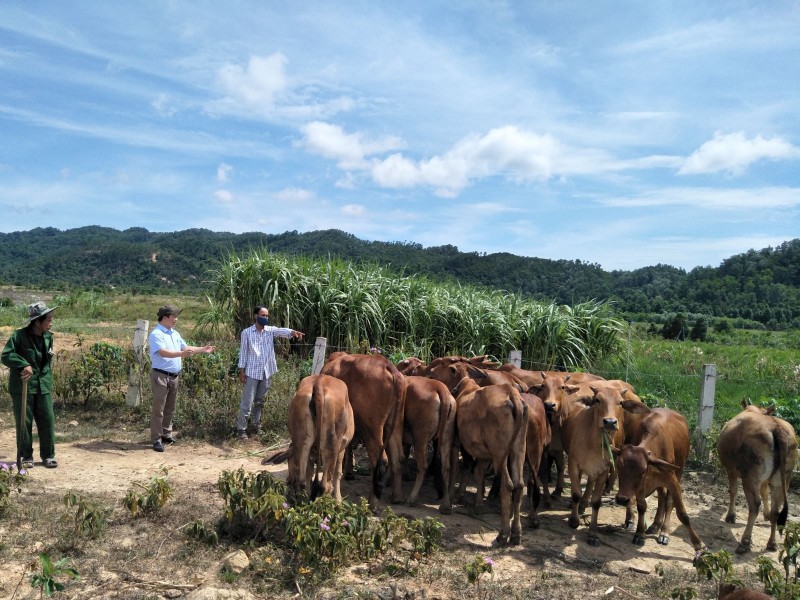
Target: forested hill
x,y
760,285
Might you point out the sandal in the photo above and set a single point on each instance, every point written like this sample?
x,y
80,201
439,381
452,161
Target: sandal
x,y
27,463
50,463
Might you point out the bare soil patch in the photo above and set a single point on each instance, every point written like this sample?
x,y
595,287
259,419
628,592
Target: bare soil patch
x,y
152,559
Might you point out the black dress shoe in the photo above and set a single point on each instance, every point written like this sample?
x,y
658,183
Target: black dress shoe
x,y
167,440
158,446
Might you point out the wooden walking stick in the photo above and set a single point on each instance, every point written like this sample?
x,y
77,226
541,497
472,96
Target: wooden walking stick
x,y
23,421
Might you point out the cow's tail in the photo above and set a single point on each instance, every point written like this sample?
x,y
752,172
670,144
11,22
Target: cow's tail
x,y
781,440
317,407
392,429
519,412
445,410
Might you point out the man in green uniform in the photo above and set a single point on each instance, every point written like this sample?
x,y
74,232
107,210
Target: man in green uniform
x,y
28,355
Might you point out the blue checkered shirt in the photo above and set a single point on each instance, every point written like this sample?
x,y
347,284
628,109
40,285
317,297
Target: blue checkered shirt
x,y
257,352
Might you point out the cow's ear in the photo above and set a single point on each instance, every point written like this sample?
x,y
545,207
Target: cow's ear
x,y
662,465
770,409
616,451
745,402
634,407
588,400
535,389
566,379
542,373
571,389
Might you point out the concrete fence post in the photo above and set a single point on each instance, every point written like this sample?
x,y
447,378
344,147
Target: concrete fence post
x,y
515,358
320,346
136,374
706,409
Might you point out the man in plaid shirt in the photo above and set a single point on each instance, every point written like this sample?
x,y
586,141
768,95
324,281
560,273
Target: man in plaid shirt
x,y
256,366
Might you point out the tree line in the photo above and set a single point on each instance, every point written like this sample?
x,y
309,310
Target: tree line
x,y
757,288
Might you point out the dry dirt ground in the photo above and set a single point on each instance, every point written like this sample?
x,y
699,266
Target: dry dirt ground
x,y
553,561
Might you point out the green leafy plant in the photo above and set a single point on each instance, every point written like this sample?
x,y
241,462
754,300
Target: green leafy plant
x,y
717,566
200,531
45,580
149,498
478,568
785,586
10,481
90,519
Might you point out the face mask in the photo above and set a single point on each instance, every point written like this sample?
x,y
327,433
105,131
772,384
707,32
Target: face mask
x,y
262,321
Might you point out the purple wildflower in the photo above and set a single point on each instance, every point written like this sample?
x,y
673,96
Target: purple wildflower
x,y
324,526
4,466
285,506
488,560
23,472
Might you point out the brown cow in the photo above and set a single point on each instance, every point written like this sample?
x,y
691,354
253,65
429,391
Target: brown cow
x,y
557,400
537,437
430,413
534,378
377,394
729,591
655,462
587,434
762,450
412,366
321,418
490,426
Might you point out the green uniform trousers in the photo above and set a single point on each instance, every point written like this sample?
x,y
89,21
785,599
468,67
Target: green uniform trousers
x,y
39,408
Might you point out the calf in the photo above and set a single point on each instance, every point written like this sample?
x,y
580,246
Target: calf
x,y
321,418
729,591
655,462
430,413
490,426
588,433
762,451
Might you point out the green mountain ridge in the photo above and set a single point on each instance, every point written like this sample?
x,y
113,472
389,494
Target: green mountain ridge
x,y
759,285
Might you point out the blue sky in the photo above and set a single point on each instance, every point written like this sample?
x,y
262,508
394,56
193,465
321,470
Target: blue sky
x,y
626,134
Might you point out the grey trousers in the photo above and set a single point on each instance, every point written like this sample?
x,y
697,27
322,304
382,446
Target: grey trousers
x,y
253,395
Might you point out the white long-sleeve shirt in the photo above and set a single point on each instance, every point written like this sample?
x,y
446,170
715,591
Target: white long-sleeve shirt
x,y
257,352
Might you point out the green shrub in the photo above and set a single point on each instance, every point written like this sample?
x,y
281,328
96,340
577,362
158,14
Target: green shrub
x,y
10,481
149,498
90,519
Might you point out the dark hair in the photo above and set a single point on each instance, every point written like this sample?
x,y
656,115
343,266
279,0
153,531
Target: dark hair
x,y
258,308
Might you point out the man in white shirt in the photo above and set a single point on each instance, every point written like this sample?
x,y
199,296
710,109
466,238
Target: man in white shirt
x,y
256,366
167,348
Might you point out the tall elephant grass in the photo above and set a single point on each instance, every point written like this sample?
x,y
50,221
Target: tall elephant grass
x,y
354,306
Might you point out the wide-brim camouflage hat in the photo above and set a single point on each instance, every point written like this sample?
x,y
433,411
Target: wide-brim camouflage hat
x,y
38,310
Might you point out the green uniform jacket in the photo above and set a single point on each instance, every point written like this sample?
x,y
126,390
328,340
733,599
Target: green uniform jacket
x,y
20,351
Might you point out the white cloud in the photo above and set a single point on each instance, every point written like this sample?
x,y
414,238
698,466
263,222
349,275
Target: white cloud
x,y
294,195
258,84
223,172
349,150
223,196
712,198
733,153
164,105
354,210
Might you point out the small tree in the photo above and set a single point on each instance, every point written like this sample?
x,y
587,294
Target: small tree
x,y
699,330
677,329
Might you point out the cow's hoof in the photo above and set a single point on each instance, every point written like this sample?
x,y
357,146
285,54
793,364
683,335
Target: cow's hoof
x,y
772,546
446,510
574,522
638,540
516,539
628,526
652,529
743,548
594,541
663,540
501,540
730,518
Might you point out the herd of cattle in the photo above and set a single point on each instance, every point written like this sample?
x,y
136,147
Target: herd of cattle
x,y
478,413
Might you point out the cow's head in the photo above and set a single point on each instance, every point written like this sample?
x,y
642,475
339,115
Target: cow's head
x,y
607,406
458,376
748,406
633,463
411,366
553,392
